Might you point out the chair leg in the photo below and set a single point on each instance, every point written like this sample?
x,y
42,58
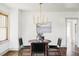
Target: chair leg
x,y
20,52
59,52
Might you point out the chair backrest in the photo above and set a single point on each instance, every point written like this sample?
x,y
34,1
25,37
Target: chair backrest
x,y
38,47
20,41
59,42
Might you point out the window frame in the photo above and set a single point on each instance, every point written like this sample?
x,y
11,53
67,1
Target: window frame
x,y
5,27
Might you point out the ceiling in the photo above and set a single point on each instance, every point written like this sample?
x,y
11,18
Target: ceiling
x,y
45,6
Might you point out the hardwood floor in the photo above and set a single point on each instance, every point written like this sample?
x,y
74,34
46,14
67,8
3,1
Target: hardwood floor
x,y
11,53
26,52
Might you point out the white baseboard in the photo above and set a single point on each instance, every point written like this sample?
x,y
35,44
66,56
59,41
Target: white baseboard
x,y
4,52
13,49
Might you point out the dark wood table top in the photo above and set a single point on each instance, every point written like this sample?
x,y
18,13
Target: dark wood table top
x,y
39,41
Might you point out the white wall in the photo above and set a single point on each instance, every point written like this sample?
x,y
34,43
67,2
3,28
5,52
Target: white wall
x,y
13,33
20,23
28,28
4,45
58,26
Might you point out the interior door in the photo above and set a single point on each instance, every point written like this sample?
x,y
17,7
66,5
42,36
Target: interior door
x,y
71,36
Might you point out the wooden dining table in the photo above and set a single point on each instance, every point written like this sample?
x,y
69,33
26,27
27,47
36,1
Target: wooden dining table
x,y
45,42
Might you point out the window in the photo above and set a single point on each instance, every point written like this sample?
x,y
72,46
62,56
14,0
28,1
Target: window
x,y
3,27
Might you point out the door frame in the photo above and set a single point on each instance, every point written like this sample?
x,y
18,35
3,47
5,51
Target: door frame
x,y
71,18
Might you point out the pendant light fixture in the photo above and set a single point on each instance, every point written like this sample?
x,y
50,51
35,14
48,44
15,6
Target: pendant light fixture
x,y
41,18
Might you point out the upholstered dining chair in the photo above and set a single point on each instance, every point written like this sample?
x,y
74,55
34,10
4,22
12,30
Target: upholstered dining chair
x,y
38,49
22,47
55,48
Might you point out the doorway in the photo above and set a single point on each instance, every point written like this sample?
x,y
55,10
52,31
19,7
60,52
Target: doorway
x,y
71,24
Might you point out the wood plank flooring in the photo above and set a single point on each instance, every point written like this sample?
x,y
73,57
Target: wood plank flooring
x,y
26,52
11,53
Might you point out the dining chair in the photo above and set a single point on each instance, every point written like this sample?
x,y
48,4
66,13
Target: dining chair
x,y
38,49
56,48
22,47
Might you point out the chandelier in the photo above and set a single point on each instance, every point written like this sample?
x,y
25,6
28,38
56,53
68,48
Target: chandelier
x,y
40,18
